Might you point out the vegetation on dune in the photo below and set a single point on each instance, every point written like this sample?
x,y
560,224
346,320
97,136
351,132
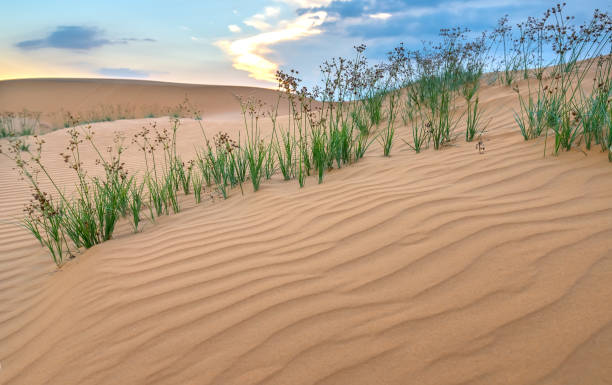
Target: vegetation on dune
x,y
112,112
23,123
556,102
332,125
64,223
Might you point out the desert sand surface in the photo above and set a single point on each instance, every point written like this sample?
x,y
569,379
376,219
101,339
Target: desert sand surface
x,y
99,99
444,267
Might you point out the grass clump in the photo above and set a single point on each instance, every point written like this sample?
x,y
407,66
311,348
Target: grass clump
x,y
23,123
556,102
84,219
440,74
256,151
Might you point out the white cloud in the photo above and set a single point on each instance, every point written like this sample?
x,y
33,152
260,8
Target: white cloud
x,y
457,7
258,21
257,24
272,11
309,3
380,16
248,54
234,28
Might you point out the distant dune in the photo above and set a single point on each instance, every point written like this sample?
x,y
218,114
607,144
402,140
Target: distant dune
x,y
440,268
99,99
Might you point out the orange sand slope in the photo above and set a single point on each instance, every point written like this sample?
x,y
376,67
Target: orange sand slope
x,y
97,99
445,267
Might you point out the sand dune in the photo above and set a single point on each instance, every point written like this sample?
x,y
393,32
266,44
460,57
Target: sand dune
x,y
98,99
445,267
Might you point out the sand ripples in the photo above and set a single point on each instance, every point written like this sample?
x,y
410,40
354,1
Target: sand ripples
x,y
445,267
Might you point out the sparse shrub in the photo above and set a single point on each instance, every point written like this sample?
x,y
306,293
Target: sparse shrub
x,y
557,102
136,203
255,151
197,183
23,123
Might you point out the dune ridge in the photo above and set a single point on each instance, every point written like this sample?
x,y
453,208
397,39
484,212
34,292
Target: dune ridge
x,y
445,267
98,99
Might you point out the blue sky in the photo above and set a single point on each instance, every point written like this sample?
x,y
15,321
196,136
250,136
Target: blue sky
x,y
234,42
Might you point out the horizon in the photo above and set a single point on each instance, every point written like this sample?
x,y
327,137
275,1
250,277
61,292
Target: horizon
x,y
243,46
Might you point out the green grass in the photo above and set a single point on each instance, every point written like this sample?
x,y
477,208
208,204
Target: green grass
x,y
23,123
80,221
136,204
255,151
556,103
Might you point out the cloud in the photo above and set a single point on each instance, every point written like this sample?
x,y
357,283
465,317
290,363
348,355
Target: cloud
x,y
234,28
123,73
257,21
310,4
257,24
74,38
271,11
380,16
413,8
127,40
248,54
68,37
371,20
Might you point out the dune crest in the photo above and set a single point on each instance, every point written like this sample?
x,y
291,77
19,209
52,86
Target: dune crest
x,y
114,99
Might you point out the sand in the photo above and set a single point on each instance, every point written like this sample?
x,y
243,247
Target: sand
x,y
98,99
445,267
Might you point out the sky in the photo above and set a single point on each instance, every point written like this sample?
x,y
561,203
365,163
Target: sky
x,y
233,42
